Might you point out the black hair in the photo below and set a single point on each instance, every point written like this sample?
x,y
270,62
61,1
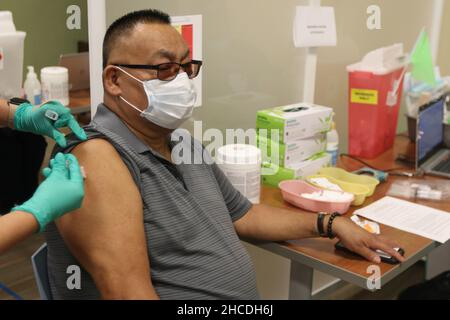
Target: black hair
x,y
122,26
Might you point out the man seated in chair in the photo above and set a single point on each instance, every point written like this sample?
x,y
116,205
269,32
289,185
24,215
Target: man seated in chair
x,y
151,227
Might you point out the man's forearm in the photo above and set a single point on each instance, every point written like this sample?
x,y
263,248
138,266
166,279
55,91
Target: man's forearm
x,y
128,288
275,224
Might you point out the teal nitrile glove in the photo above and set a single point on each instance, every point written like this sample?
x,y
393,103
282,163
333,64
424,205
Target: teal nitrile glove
x,y
60,193
33,119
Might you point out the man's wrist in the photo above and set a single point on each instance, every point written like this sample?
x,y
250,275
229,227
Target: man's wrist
x,y
336,226
320,227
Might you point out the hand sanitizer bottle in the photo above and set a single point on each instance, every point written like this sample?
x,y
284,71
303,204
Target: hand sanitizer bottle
x,y
32,87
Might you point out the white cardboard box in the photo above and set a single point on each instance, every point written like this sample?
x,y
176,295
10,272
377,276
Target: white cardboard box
x,y
294,122
292,153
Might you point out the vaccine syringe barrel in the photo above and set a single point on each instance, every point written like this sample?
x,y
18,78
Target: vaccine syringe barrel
x,y
11,57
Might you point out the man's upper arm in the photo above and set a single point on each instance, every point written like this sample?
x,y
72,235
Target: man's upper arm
x,y
107,234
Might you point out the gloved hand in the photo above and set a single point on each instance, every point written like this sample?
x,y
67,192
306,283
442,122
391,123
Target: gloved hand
x,y
33,119
61,192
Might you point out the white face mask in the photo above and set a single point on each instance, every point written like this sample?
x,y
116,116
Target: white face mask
x,y
170,103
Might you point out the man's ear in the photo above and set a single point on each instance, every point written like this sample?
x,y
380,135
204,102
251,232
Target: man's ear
x,y
111,81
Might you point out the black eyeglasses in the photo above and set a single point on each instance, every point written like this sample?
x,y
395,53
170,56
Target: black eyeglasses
x,y
169,71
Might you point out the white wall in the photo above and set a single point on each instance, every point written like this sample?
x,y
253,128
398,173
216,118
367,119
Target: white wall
x,y
444,48
250,61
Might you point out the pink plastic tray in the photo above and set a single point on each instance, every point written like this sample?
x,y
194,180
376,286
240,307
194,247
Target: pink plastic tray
x,y
292,190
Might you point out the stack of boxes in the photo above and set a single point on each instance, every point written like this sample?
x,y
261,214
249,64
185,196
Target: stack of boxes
x,y
293,142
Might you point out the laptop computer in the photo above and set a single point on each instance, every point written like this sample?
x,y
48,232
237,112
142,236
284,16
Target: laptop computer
x,y
431,155
78,65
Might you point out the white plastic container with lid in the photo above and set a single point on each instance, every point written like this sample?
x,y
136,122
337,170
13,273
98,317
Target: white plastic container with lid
x,y
32,87
55,84
242,165
383,61
11,57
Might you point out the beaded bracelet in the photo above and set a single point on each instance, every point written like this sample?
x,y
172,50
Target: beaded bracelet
x,y
330,225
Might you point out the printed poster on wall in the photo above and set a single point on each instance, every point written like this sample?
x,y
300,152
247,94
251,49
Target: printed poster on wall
x,y
191,28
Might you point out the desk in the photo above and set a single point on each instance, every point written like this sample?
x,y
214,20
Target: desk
x,y
80,101
320,254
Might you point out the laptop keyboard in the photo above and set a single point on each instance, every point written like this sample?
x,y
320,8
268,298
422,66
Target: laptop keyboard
x,y
443,166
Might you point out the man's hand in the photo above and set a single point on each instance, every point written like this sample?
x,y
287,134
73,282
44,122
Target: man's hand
x,y
362,242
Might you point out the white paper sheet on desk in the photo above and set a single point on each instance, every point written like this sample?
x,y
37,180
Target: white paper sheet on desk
x,y
407,216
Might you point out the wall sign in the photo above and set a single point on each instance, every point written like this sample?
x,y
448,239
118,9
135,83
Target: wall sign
x,y
191,28
314,27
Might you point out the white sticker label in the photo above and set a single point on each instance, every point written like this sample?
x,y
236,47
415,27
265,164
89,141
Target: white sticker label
x,y
2,57
315,27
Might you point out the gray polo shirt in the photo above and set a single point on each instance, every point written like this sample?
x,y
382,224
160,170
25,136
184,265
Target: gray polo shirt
x,y
189,210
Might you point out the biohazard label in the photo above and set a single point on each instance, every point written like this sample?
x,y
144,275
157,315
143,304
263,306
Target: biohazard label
x,y
2,57
364,96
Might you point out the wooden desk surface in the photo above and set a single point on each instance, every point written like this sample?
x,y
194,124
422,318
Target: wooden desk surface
x,y
321,254
80,101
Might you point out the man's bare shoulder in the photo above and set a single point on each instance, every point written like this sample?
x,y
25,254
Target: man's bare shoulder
x,y
95,148
99,156
108,184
